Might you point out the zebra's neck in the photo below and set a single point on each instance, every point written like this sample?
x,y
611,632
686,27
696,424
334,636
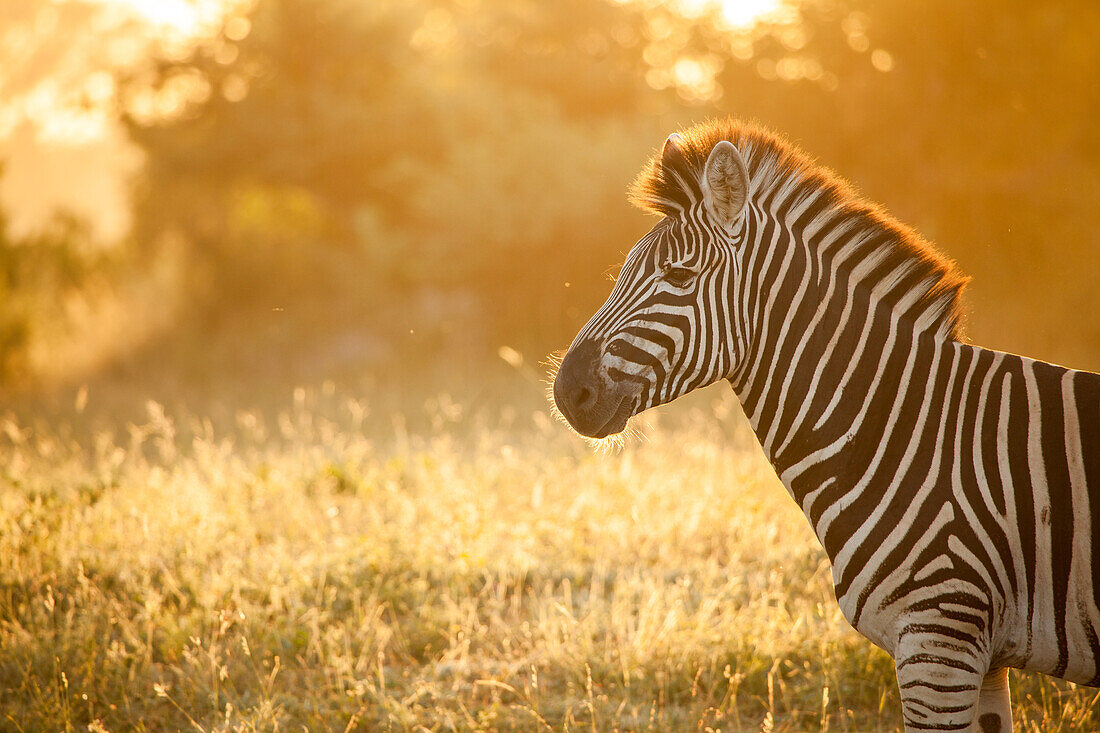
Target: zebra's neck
x,y
824,402
839,318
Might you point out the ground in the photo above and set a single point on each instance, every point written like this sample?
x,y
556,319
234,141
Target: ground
x,y
340,565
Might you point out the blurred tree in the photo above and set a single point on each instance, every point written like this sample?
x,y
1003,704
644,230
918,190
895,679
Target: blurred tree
x,y
485,146
422,137
584,55
37,273
276,129
14,329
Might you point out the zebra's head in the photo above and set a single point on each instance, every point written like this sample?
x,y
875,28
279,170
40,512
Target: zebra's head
x,y
666,328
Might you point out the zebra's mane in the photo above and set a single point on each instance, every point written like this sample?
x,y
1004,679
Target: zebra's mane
x,y
776,164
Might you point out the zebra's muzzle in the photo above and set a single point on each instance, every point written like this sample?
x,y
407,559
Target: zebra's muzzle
x,y
592,405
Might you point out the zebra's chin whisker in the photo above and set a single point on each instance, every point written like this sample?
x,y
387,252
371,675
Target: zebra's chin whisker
x,y
555,412
552,363
632,431
631,434
607,445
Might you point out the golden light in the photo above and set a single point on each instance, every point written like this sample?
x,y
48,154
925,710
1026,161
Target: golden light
x,y
58,136
695,77
71,106
882,60
176,14
734,13
180,18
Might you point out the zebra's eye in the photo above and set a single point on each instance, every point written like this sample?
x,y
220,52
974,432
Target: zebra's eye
x,y
678,276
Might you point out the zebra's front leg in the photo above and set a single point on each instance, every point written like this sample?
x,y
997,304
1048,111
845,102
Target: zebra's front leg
x,y
941,681
994,706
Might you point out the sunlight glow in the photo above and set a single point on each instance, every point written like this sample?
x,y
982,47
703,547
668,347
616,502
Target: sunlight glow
x,y
695,78
181,18
71,104
734,13
739,22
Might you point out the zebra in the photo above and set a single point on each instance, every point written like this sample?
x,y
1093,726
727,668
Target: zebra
x,y
955,489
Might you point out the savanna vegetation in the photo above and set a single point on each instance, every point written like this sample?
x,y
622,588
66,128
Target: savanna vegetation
x,y
445,568
280,457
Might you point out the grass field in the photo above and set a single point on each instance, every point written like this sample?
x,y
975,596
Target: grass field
x,y
329,567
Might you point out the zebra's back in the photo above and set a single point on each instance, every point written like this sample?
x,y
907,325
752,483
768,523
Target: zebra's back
x,y
1053,454
1001,521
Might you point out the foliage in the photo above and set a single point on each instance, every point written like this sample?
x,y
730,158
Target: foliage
x,y
37,273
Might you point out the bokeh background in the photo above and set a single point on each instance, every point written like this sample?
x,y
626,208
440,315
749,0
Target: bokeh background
x,y
277,282
214,199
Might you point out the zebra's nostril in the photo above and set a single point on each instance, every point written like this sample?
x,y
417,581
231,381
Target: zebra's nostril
x,y
576,386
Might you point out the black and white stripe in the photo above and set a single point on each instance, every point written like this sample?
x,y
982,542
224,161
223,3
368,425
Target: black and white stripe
x,y
956,489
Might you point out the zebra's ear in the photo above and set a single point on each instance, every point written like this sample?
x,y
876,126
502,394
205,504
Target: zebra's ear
x,y
675,168
671,155
725,184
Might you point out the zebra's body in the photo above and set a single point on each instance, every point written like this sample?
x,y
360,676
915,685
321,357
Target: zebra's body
x,y
955,489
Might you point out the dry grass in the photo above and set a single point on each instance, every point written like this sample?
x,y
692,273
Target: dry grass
x,y
325,568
